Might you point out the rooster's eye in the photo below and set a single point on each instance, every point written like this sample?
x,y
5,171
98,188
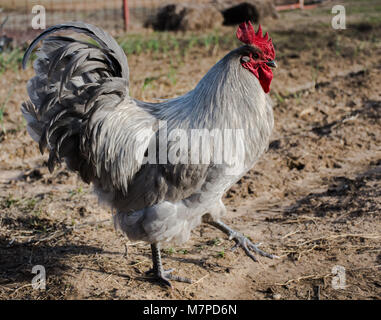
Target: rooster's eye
x,y
255,56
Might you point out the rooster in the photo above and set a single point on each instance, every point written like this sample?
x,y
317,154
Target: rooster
x,y
81,112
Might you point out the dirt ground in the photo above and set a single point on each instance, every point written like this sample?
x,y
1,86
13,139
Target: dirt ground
x,y
314,199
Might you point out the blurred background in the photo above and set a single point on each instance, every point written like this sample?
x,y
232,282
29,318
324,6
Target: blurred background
x,y
314,198
111,14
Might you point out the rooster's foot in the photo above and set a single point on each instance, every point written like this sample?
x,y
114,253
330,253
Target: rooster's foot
x,y
164,276
159,273
248,246
242,241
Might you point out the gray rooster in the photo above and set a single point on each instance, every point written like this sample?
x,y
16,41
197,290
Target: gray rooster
x,y
81,112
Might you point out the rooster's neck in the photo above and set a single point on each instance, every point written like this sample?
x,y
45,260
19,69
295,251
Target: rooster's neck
x,y
228,96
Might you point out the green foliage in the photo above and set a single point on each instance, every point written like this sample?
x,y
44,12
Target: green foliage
x,y
221,254
3,104
172,74
215,242
11,60
170,251
10,202
174,44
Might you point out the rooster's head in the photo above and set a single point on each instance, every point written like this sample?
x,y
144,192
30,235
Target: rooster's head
x,y
258,55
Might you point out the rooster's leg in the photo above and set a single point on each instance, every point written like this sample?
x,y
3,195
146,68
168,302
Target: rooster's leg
x,y
158,271
241,241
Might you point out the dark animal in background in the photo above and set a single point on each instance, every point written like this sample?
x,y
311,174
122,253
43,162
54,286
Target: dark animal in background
x,y
81,112
5,41
243,11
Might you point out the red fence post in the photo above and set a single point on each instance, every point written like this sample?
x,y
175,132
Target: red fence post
x,y
126,14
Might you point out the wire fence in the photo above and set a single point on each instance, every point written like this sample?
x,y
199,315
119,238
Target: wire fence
x,y
108,14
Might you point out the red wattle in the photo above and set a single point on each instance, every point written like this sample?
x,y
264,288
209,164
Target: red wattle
x,y
265,77
263,73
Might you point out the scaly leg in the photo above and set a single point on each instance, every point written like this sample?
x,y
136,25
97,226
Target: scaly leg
x,y
241,241
158,271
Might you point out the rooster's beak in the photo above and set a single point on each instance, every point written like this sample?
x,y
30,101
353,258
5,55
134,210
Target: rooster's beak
x,y
271,64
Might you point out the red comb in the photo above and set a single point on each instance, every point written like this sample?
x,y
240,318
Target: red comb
x,y
246,34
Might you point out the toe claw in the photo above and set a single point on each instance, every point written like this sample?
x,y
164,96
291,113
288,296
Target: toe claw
x,y
234,248
249,247
165,281
166,275
250,254
241,241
